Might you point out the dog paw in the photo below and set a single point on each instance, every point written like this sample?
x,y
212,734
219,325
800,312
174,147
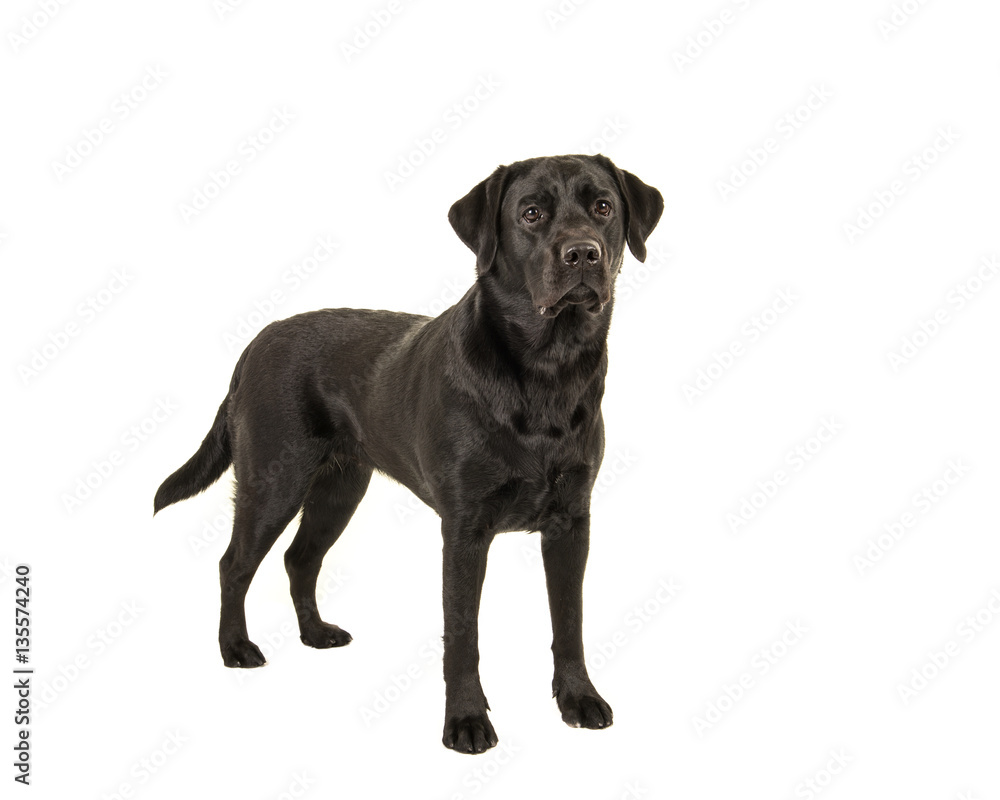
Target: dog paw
x,y
244,654
469,733
584,709
325,635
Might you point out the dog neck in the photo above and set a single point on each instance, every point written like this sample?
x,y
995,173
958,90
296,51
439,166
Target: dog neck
x,y
551,363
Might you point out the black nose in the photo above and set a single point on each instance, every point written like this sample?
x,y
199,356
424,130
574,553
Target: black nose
x,y
581,254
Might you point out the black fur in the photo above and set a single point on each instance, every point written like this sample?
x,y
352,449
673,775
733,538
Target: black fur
x,y
207,465
489,413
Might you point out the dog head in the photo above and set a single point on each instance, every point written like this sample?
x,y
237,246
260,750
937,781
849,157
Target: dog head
x,y
557,227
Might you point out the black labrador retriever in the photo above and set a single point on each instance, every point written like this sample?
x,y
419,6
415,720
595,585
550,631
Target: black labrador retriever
x,y
490,413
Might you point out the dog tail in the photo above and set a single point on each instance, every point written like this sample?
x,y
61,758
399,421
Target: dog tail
x,y
207,465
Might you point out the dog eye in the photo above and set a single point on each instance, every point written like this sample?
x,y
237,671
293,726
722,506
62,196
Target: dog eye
x,y
532,214
603,207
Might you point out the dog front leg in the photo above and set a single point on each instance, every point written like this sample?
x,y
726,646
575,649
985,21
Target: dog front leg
x,y
467,727
564,554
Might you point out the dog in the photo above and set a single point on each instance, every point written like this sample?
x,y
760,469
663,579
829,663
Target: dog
x,y
490,413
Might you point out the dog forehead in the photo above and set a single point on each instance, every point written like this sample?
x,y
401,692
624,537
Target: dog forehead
x,y
557,176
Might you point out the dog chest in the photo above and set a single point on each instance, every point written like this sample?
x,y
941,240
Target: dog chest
x,y
532,499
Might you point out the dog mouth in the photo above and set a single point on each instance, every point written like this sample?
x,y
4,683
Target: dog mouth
x,y
579,295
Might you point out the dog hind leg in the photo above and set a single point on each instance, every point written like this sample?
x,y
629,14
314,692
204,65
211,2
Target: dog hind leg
x,y
333,496
267,499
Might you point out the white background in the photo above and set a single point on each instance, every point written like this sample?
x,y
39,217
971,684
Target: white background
x,y
125,607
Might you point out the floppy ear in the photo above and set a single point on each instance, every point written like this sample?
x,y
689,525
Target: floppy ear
x,y
643,206
476,219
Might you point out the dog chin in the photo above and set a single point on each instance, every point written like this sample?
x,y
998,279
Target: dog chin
x,y
580,295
